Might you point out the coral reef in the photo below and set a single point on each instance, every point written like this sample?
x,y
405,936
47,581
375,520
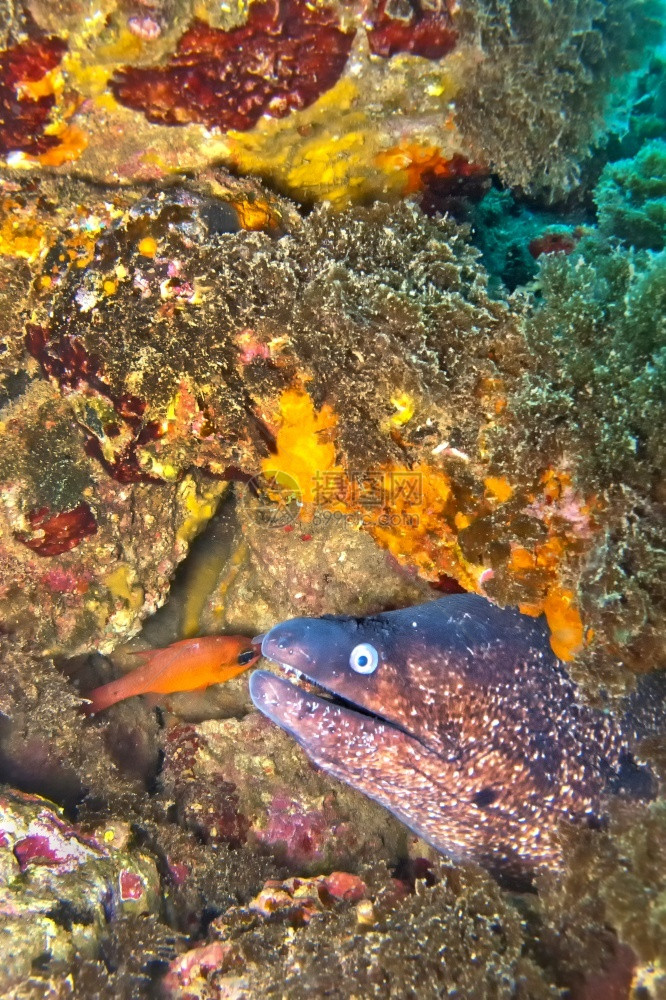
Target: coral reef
x,y
388,944
326,102
417,422
631,198
356,409
241,782
599,337
58,446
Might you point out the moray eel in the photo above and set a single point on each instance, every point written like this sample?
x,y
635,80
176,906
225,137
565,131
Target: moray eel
x,y
456,716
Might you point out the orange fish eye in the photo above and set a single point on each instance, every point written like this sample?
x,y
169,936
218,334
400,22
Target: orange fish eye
x,y
245,657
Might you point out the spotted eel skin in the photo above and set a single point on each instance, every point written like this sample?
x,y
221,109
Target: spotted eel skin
x,y
457,716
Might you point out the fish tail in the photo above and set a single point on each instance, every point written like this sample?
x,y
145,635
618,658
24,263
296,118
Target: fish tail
x,y
103,697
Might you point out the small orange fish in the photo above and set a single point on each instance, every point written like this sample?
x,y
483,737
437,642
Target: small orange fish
x,y
188,665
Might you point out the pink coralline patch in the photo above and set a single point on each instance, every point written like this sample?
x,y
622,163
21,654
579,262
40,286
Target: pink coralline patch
x,y
342,885
568,506
36,850
283,58
302,833
211,810
49,841
195,965
178,872
298,899
250,347
52,534
425,32
130,885
24,115
146,28
63,580
181,746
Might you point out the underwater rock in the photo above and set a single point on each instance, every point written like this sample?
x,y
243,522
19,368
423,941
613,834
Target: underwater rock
x,y
600,336
605,917
450,933
60,887
315,567
46,748
327,103
73,574
242,781
395,424
81,556
355,362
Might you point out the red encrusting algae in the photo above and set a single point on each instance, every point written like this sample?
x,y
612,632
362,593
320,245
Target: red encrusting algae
x,y
428,33
25,110
551,243
52,534
282,59
66,360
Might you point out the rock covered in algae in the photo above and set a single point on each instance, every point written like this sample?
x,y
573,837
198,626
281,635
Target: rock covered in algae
x,y
283,567
449,934
84,554
606,915
358,356
45,747
600,336
328,102
243,782
59,888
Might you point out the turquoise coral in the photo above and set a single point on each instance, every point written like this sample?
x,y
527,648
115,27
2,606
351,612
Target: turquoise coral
x,y
631,198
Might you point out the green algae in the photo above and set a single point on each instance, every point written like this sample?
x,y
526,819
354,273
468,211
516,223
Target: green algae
x,y
614,884
456,935
538,135
592,400
631,198
599,336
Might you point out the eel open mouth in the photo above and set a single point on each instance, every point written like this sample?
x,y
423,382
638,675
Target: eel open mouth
x,y
298,701
316,721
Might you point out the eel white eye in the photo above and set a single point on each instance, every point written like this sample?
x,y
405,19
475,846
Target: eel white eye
x,y
364,658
